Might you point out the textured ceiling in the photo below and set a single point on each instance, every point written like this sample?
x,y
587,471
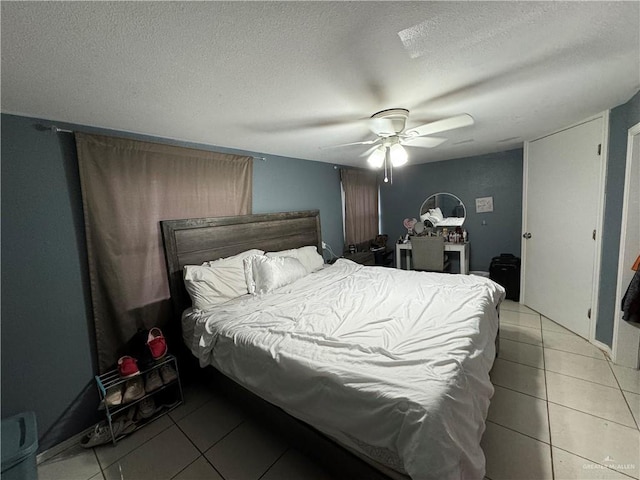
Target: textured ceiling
x,y
287,78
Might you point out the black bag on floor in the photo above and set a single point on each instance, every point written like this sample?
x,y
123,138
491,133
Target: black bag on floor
x,y
505,270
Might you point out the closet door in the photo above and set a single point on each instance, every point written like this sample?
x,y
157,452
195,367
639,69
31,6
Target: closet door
x,y
562,203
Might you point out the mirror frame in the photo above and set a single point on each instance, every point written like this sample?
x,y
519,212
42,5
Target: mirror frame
x,y
460,202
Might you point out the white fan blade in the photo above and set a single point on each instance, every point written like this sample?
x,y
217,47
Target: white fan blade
x,y
441,125
425,142
369,151
366,142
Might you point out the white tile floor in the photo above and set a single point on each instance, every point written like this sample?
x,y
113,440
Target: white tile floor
x,y
560,411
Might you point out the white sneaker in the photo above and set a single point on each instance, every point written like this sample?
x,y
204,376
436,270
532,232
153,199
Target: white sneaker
x,y
168,373
133,390
146,409
101,433
113,397
152,381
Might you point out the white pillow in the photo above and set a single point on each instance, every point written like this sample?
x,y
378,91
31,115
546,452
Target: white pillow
x,y
437,213
270,273
219,281
434,220
308,256
239,258
248,273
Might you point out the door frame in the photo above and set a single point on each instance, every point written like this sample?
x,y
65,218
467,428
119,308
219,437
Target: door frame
x,y
604,154
619,345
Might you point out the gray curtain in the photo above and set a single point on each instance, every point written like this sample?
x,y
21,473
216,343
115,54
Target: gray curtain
x,y
361,205
128,186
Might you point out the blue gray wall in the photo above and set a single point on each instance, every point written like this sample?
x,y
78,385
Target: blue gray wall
x,y
47,363
48,349
621,119
497,175
282,184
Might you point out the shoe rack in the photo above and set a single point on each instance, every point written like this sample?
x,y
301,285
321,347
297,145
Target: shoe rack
x,y
112,380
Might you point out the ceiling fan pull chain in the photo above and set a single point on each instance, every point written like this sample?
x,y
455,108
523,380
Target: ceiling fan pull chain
x,y
386,155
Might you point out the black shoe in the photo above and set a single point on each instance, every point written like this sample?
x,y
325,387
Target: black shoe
x,y
137,348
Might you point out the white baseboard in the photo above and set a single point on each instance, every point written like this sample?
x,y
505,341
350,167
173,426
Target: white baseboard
x,y
604,347
61,447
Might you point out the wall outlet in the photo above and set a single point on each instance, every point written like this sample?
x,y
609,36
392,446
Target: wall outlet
x,y
324,245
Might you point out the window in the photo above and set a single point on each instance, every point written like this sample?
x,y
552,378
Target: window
x,y
361,212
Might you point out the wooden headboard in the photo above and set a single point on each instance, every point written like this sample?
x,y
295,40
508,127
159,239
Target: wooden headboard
x,y
193,241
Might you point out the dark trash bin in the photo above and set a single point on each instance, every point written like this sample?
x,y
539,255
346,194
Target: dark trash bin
x,y
19,446
505,270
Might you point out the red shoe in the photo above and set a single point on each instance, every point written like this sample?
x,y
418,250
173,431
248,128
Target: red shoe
x,y
157,343
128,367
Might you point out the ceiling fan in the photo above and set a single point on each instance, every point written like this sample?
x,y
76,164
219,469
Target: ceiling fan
x,y
389,126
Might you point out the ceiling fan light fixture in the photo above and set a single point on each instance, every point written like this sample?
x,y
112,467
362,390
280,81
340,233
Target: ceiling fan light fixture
x,y
376,159
398,155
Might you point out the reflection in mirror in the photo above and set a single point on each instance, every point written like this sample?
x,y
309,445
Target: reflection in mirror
x,y
443,210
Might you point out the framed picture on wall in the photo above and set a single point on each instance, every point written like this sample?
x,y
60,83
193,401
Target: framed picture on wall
x,y
484,204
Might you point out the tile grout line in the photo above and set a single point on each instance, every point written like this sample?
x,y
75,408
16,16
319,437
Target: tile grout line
x,y
546,394
593,461
572,335
519,311
275,461
544,347
623,395
546,399
555,349
214,443
522,343
202,454
95,454
213,466
133,449
581,354
519,363
518,325
196,459
584,380
595,416
143,443
187,466
189,439
518,391
559,404
518,432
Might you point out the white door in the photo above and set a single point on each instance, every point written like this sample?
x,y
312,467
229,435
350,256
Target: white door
x,y
626,338
562,190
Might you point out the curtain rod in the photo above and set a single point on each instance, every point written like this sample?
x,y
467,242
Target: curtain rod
x,y
57,129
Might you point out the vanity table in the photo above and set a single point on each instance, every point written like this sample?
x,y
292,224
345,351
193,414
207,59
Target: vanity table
x,y
461,248
439,211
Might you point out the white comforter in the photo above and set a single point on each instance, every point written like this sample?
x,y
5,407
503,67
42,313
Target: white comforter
x,y
391,363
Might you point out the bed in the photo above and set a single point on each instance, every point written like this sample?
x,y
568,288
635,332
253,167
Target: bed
x,y
392,364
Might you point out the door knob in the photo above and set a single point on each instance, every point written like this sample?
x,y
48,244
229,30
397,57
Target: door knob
x,y
526,235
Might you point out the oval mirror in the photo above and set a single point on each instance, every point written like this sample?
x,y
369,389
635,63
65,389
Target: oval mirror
x,y
443,210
